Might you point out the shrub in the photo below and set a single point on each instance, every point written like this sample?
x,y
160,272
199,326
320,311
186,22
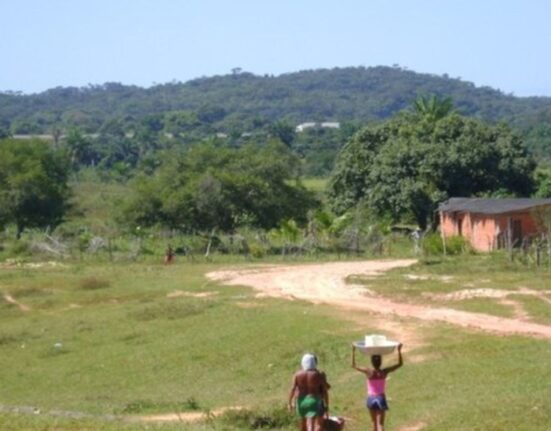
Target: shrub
x,y
456,245
257,251
18,248
433,245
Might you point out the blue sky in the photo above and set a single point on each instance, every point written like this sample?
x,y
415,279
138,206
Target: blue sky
x,y
46,43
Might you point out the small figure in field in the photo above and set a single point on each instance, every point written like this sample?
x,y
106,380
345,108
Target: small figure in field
x,y
169,255
376,381
416,237
309,395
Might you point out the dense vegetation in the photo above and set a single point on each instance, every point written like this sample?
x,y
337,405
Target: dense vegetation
x,y
243,102
209,187
33,185
340,93
404,167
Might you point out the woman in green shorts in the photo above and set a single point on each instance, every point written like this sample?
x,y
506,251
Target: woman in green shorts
x,y
309,394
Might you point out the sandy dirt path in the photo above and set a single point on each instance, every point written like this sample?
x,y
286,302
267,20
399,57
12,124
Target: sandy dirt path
x,y
326,283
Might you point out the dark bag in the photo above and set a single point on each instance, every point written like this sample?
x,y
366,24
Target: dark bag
x,y
333,423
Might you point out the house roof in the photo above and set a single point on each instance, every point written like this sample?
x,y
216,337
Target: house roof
x,y
491,206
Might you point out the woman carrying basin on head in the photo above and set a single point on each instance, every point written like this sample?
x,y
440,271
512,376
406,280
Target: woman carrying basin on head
x,y
376,382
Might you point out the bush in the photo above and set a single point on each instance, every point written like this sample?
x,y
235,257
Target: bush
x,y
257,251
457,245
433,245
18,248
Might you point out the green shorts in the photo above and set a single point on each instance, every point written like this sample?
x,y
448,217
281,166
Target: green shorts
x,y
309,406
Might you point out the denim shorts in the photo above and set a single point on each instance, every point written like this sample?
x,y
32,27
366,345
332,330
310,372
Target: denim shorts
x,y
376,402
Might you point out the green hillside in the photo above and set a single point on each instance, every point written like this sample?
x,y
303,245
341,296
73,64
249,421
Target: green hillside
x,y
341,94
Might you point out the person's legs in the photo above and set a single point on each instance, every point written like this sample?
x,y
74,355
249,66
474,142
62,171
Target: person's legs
x,y
319,423
311,424
382,420
373,414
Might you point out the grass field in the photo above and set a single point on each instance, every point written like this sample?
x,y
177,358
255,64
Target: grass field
x,y
137,339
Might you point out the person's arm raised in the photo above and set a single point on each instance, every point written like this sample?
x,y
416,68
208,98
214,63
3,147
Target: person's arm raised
x,y
360,369
400,361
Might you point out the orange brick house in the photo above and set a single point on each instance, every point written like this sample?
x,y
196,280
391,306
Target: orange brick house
x,y
489,224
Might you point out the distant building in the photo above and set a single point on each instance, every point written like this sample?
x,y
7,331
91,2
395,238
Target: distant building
x,y
310,125
489,224
302,127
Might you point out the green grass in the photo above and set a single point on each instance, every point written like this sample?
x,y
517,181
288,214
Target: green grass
x,y
482,305
444,275
537,309
127,348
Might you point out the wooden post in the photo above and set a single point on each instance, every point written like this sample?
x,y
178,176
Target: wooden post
x,y
443,235
510,238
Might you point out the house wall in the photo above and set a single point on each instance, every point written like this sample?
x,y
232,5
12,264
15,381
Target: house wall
x,y
528,225
485,232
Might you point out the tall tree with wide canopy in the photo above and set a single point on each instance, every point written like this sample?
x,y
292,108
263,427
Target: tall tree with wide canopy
x,y
33,184
406,166
207,187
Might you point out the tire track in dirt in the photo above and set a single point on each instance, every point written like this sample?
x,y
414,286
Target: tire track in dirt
x,y
326,283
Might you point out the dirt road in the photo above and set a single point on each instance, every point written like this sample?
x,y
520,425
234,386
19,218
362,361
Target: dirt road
x,y
326,283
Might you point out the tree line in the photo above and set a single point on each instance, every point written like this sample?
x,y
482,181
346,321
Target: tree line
x,y
396,171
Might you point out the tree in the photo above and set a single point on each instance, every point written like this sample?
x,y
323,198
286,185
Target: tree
x,y
406,166
543,182
80,149
433,108
4,132
208,187
284,131
33,184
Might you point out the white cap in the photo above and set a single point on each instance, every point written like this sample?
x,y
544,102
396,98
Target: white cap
x,y
309,362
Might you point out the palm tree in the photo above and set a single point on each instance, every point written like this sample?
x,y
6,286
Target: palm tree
x,y
433,108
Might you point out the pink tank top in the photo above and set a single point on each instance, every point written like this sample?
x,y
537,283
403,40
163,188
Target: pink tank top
x,y
376,384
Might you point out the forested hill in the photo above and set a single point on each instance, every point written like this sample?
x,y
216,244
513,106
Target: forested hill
x,y
354,93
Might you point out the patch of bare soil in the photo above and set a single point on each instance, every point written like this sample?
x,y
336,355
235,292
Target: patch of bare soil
x,y
243,304
417,426
11,300
178,293
14,263
461,295
184,416
326,283
518,310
